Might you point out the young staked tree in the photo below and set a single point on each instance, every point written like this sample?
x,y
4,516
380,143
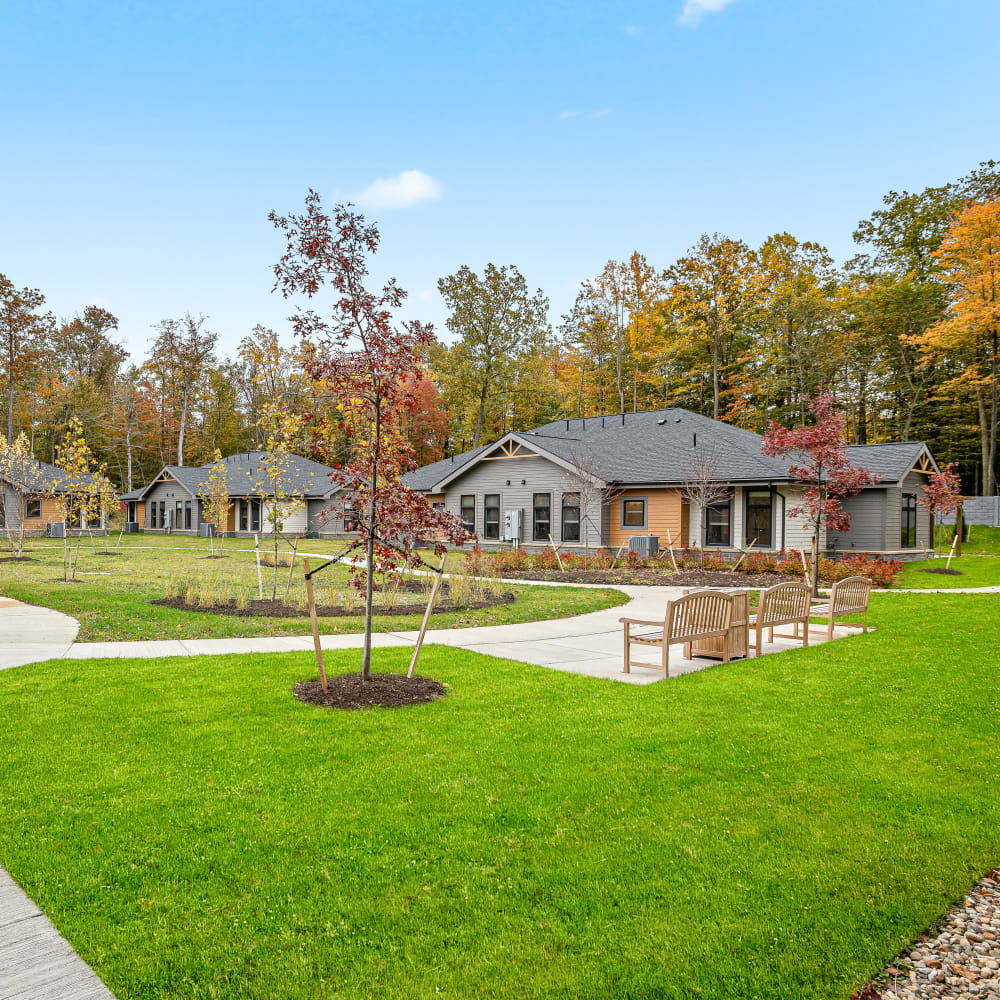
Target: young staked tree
x,y
497,321
281,496
23,330
819,462
703,488
584,478
941,496
214,495
370,363
23,478
77,492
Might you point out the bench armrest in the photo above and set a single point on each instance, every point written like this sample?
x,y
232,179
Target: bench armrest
x,y
639,621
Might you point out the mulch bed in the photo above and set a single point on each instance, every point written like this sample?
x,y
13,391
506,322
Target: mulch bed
x,y
659,577
108,553
278,609
941,571
17,559
348,691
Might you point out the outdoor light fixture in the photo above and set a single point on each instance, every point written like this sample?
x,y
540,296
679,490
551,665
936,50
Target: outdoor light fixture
x,y
508,482
524,482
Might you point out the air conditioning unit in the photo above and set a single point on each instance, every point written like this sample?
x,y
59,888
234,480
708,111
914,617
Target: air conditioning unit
x,y
131,527
206,530
512,520
57,529
646,546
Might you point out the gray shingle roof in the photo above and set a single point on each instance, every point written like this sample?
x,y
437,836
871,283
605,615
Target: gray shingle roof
x,y
243,470
891,461
663,446
50,475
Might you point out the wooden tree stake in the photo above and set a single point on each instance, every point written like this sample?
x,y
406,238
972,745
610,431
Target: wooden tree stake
x,y
556,551
260,582
427,616
951,554
315,625
291,568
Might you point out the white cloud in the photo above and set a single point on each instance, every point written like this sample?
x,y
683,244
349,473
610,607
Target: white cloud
x,y
695,10
406,188
633,29
570,114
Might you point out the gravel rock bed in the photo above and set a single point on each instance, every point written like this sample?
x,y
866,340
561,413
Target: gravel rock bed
x,y
962,960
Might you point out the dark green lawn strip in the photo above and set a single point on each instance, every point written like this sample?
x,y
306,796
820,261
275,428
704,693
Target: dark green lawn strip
x,y
776,828
973,570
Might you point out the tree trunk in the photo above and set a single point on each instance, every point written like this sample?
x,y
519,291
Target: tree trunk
x,y
482,411
180,436
128,452
715,374
366,659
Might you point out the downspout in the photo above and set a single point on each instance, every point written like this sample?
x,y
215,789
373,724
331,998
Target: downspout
x,y
783,502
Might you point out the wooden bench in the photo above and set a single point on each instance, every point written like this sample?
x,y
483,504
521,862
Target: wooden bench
x,y
847,597
783,604
703,615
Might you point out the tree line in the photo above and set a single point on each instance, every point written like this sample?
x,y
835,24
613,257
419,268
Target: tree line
x,y
905,334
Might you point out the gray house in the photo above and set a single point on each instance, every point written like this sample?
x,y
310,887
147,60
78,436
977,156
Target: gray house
x,y
600,480
170,502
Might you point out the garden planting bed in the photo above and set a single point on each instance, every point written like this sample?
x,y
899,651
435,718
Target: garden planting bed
x,y
659,577
407,602
348,691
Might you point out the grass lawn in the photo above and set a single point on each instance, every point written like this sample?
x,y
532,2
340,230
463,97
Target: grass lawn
x,y
112,596
776,828
976,571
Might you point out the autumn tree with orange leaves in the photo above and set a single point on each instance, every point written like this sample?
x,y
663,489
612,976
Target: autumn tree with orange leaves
x,y
969,334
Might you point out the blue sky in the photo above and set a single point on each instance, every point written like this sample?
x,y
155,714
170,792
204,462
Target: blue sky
x,y
143,144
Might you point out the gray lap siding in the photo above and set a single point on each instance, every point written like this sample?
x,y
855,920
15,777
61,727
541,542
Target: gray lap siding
x,y
867,532
170,493
539,476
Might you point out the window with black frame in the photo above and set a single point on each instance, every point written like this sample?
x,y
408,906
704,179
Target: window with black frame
x,y
634,513
908,521
541,516
571,517
187,515
468,512
718,518
491,516
32,509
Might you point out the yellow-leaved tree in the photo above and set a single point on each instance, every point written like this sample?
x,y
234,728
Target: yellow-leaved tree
x,y
214,495
77,493
968,336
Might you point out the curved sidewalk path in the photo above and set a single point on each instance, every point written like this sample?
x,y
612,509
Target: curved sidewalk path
x,y
29,634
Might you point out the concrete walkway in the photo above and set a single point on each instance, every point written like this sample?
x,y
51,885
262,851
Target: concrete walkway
x,y
36,961
29,634
588,644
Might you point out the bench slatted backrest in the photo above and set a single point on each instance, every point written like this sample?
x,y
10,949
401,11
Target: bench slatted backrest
x,y
698,614
850,595
783,603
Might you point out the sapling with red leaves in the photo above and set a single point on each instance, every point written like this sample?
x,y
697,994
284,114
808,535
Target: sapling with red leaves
x,y
818,460
941,495
369,362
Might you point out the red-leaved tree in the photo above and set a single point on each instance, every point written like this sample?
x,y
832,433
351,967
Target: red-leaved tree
x,y
942,495
369,363
818,460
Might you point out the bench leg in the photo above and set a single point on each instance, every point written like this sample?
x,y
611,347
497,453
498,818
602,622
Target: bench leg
x,y
627,670
666,657
805,633
829,630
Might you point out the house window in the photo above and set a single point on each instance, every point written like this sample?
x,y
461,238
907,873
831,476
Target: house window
x,y
634,513
541,507
163,513
758,520
352,520
468,509
249,515
491,516
908,521
717,523
32,509
571,517
187,514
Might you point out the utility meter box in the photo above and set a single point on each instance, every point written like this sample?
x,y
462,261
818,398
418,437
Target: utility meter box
x,y
512,526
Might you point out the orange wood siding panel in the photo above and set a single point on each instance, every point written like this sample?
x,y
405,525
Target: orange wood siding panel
x,y
49,513
663,516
